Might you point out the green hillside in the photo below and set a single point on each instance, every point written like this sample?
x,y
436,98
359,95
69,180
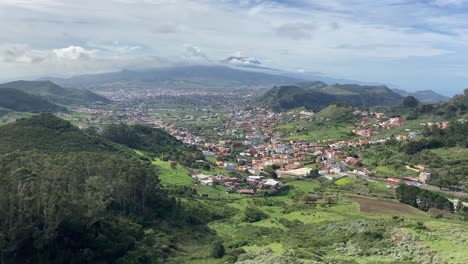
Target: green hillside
x,y
453,109
317,95
55,93
154,142
337,113
46,132
20,101
70,197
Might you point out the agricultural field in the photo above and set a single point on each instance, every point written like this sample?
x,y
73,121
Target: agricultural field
x,y
173,175
351,229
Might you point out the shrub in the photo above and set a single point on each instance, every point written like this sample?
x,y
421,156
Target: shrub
x,y
217,250
253,214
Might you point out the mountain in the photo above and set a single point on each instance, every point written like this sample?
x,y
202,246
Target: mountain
x,y
193,76
55,93
318,95
20,101
426,96
242,60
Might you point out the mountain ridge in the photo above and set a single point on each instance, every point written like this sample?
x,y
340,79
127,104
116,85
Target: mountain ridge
x,y
318,95
55,93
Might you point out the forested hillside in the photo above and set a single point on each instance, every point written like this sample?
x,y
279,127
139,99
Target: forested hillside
x,y
318,95
69,197
19,101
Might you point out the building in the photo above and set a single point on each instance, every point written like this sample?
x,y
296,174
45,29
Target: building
x,y
424,177
392,182
294,174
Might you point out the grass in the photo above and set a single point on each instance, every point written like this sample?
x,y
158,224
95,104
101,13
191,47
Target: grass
x,y
277,248
345,181
448,238
451,153
323,133
178,175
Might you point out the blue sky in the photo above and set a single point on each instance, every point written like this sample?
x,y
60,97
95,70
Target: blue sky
x,y
413,45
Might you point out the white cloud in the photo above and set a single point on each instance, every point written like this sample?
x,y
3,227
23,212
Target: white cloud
x,y
80,36
296,31
74,53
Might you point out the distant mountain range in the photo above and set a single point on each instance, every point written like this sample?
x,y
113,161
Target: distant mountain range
x,y
43,96
235,72
426,96
318,95
193,76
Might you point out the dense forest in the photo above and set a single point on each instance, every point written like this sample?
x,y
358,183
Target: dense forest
x,y
69,197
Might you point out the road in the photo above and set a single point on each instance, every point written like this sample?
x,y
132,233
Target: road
x,y
425,186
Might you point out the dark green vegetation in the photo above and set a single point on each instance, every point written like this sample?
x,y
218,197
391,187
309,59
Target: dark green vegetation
x,y
70,197
55,93
154,141
318,95
50,134
422,199
411,108
16,100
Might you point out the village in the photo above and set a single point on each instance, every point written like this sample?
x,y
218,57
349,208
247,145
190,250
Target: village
x,y
241,139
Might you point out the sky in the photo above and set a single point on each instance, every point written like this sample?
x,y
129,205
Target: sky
x,y
409,44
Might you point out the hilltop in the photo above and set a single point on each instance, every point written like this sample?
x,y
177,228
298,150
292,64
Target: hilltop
x,y
318,95
425,96
19,101
48,133
55,93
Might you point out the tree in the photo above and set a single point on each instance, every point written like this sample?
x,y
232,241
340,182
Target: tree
x,y
410,102
217,250
253,214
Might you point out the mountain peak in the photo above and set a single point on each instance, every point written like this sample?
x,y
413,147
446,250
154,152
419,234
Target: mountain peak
x,y
240,58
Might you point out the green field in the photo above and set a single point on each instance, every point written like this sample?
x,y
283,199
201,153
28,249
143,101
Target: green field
x,y
451,153
323,133
177,175
345,181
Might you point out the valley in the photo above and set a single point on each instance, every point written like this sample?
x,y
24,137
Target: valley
x,y
292,186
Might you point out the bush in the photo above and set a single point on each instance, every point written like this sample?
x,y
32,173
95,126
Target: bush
x,y
253,214
217,251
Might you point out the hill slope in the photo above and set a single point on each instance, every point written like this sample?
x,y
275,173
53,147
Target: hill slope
x,y
70,197
20,101
153,141
55,93
318,95
46,132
